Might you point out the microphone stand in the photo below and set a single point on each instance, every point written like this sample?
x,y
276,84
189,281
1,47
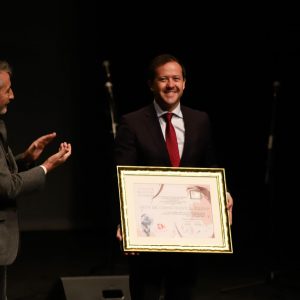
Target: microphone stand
x,y
269,185
269,167
113,117
109,88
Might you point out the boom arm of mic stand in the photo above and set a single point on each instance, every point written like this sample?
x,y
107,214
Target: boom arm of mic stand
x,y
108,86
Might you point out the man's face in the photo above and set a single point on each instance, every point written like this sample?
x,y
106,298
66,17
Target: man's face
x,y
168,85
6,93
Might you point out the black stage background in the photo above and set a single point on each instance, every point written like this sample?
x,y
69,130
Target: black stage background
x,y
57,52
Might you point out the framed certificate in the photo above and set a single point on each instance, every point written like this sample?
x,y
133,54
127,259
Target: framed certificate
x,y
167,209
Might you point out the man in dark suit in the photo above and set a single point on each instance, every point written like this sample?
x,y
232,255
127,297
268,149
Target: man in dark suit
x,y
140,141
18,176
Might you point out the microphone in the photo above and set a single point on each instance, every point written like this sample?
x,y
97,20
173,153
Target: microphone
x,y
109,85
106,67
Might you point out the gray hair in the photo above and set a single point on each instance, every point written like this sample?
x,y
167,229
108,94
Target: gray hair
x,y
5,67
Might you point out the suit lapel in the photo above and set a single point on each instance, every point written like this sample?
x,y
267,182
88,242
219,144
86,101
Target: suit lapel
x,y
155,132
188,122
3,135
8,155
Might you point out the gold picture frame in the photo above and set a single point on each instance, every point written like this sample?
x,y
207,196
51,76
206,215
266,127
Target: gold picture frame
x,y
167,209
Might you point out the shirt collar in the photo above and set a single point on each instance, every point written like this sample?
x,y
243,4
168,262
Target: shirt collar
x,y
160,112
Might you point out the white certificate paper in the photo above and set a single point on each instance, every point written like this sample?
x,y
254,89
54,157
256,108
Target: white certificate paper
x,y
173,210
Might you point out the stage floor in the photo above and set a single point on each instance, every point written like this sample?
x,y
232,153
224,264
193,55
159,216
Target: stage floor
x,y
47,256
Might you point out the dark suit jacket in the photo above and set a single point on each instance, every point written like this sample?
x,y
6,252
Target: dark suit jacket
x,y
12,185
140,140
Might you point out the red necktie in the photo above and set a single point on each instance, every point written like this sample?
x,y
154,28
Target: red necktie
x,y
171,141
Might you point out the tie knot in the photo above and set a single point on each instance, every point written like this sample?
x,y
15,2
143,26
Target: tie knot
x,y
168,116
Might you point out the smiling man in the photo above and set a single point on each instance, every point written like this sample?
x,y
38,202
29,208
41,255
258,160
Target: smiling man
x,y
168,134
